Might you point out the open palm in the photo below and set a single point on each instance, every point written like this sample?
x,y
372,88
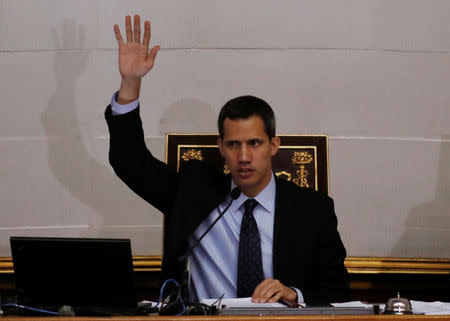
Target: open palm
x,y
135,60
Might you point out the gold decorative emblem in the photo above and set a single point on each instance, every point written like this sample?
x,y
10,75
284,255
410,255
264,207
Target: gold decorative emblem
x,y
226,170
283,174
192,154
301,159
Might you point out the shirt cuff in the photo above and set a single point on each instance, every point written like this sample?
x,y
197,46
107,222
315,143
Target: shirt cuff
x,y
300,298
118,109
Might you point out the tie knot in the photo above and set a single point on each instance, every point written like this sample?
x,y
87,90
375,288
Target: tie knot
x,y
250,205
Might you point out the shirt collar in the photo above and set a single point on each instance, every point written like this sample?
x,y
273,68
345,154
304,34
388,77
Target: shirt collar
x,y
266,198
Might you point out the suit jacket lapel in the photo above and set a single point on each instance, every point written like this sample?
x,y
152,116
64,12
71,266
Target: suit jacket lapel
x,y
281,206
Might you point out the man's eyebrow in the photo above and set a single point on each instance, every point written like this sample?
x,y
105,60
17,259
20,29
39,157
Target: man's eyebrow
x,y
231,141
256,139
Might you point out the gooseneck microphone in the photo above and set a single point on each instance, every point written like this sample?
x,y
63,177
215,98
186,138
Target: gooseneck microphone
x,y
184,289
235,193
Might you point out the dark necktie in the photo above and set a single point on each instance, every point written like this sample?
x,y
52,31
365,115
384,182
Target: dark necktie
x,y
250,268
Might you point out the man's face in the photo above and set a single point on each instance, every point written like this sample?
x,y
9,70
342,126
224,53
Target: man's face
x,y
248,153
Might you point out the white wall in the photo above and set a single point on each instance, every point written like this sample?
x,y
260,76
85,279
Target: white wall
x,y
372,74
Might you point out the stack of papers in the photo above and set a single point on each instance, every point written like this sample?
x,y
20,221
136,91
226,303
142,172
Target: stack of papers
x,y
430,308
435,308
354,304
242,303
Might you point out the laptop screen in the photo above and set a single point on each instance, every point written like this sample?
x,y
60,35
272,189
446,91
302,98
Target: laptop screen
x,y
74,271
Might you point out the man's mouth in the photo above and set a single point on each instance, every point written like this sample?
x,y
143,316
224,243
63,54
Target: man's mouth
x,y
245,172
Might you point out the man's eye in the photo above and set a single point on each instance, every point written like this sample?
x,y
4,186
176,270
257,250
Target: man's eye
x,y
232,144
254,143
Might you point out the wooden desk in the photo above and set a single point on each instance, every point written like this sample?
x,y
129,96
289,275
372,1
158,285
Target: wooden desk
x,y
241,318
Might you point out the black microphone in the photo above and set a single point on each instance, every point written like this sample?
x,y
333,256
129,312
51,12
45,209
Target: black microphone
x,y
235,193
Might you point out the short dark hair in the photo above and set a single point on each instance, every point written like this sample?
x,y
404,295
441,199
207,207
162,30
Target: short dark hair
x,y
244,107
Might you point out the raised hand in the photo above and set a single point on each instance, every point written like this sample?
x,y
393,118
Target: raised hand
x,y
135,59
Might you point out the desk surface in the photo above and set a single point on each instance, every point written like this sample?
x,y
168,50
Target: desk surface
x,y
239,318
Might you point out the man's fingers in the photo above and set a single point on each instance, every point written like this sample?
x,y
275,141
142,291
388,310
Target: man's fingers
x,y
259,288
268,293
263,284
118,35
128,28
137,29
271,291
147,33
152,55
276,297
269,288
265,290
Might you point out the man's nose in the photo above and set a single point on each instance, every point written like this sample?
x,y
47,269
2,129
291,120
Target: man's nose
x,y
244,153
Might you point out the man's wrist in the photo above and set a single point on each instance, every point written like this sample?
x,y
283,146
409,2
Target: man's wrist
x,y
298,295
118,109
129,91
293,294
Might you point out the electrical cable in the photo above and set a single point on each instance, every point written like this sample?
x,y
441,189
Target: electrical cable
x,y
179,298
218,302
20,306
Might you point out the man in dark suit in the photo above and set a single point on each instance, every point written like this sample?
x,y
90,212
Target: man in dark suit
x,y
292,249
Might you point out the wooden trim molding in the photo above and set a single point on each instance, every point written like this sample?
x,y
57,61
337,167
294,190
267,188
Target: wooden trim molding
x,y
356,265
6,265
378,265
150,263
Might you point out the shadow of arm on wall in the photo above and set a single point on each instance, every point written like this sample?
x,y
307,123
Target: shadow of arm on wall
x,y
91,182
427,230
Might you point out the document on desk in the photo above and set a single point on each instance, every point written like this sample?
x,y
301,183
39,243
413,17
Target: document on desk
x,y
242,303
354,304
431,308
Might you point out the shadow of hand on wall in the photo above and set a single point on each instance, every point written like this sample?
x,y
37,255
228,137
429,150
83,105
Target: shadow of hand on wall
x,y
428,225
91,182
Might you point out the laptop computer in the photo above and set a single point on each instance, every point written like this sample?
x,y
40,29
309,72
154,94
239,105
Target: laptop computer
x,y
94,276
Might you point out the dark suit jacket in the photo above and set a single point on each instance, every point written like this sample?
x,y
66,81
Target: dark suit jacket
x,y
307,250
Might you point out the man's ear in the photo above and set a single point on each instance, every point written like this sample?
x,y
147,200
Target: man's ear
x,y
275,142
220,144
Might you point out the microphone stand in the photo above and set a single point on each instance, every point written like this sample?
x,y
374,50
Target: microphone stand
x,y
235,193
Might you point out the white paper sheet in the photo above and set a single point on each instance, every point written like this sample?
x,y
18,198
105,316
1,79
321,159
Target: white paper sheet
x,y
429,308
243,303
436,307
